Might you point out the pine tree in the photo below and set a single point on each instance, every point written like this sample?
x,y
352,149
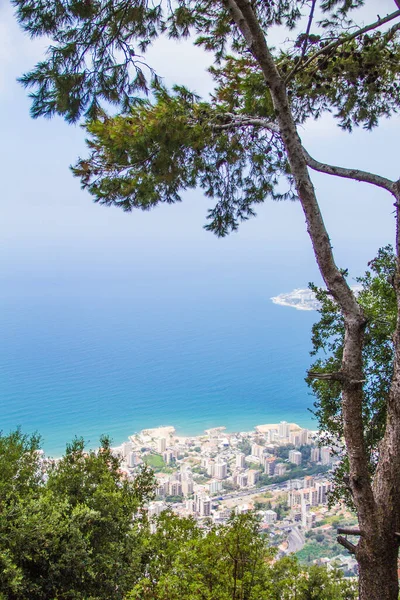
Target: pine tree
x,y
240,147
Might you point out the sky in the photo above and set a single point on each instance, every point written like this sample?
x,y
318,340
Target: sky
x,y
53,235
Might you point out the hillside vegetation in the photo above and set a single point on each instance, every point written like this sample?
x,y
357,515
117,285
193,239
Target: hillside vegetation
x,y
77,529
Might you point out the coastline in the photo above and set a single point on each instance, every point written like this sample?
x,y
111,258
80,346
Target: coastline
x,y
299,298
303,299
183,432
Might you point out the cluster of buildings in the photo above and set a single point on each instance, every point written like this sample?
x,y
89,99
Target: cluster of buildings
x,y
209,476
180,483
305,494
199,473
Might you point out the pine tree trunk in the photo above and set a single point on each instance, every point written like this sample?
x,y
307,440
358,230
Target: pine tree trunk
x,y
377,502
377,563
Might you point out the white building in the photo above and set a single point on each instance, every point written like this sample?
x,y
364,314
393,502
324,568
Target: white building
x,y
269,465
283,430
304,437
257,450
204,506
126,448
315,454
323,488
168,457
156,508
175,488
187,487
280,469
299,437
308,481
133,459
161,445
252,477
215,486
307,518
295,457
210,467
240,460
270,516
294,438
220,470
162,487
272,435
242,480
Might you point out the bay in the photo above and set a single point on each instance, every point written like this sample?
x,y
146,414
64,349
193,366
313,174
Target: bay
x,y
98,355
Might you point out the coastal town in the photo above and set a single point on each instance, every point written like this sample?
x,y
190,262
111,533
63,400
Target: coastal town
x,y
279,470
301,299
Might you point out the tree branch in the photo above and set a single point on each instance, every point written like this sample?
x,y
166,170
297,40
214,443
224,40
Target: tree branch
x,y
349,531
345,542
244,121
305,44
354,35
389,35
326,376
355,174
338,376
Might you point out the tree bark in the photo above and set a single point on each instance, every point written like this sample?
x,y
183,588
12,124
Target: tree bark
x,y
376,506
386,483
377,564
354,174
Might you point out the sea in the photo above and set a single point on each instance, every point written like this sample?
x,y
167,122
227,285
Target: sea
x,y
87,355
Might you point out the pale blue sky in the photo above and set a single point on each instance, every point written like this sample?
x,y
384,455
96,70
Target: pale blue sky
x,y
52,232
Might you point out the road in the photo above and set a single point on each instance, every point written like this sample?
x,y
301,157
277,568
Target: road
x,y
252,491
266,488
295,540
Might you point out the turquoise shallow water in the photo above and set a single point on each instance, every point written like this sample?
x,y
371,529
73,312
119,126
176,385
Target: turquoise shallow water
x,y
89,358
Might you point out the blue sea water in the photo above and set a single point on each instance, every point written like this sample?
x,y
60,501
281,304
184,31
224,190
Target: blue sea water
x,y
193,350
